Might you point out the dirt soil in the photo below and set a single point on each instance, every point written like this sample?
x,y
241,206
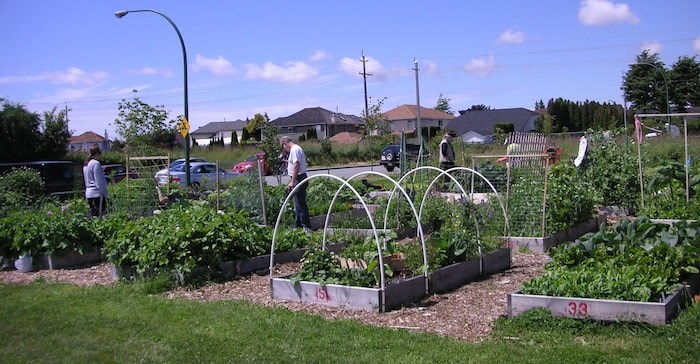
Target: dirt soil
x,y
467,313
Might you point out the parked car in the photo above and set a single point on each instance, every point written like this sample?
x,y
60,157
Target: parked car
x,y
391,155
180,161
117,172
252,162
202,174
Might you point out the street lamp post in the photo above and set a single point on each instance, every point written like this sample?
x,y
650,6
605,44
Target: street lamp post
x,y
120,14
661,71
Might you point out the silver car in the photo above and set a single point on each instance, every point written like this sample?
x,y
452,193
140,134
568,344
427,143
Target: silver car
x,y
202,174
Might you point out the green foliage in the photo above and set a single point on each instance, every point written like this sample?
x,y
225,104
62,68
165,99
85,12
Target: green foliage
x,y
612,172
322,266
52,229
668,192
21,188
143,126
443,104
56,136
635,261
570,198
19,133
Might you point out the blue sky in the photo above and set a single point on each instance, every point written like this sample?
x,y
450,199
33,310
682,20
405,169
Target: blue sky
x,y
278,57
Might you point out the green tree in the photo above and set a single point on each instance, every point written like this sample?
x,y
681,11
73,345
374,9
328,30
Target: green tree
x,y
271,146
254,125
234,138
55,136
443,104
644,84
142,125
684,83
374,122
19,133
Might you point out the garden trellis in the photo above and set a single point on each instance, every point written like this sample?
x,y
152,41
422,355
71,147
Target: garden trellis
x,y
638,127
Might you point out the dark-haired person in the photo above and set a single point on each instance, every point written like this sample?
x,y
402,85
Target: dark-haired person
x,y
95,183
296,169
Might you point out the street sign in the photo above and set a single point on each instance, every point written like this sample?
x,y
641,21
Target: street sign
x,y
183,127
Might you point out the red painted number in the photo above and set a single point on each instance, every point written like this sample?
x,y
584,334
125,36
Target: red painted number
x,y
577,309
322,294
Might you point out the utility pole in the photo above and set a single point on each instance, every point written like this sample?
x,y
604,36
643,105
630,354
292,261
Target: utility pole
x,y
418,126
364,76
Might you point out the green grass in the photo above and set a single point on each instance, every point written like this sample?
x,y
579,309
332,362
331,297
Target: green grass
x,y
57,323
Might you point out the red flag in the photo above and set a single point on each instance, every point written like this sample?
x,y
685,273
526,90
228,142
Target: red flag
x,y
637,129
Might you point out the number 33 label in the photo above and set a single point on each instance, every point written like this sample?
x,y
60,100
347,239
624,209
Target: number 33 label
x,y
577,308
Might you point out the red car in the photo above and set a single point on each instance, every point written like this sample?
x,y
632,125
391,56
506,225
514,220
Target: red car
x,y
251,162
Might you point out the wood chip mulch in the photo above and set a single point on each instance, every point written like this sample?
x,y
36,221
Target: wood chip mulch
x,y
466,313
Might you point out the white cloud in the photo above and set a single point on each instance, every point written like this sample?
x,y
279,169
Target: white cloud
x,y
481,66
605,12
291,72
652,47
353,67
511,37
429,67
217,66
318,55
696,45
150,71
71,76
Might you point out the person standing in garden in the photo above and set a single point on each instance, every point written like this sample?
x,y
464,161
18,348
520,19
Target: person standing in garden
x,y
447,156
95,183
296,169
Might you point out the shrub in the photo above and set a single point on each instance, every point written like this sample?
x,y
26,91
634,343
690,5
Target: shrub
x,y
20,188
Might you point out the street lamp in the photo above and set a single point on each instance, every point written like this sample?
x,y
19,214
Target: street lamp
x,y
661,71
120,14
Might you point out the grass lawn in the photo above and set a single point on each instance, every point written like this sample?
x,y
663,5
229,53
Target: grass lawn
x,y
58,323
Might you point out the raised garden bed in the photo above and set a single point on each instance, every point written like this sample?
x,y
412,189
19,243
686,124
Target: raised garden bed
x,y
395,294
262,262
607,310
541,245
69,259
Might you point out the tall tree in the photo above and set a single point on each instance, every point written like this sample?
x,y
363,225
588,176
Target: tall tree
x,y
684,83
55,136
19,133
142,125
374,122
443,104
645,83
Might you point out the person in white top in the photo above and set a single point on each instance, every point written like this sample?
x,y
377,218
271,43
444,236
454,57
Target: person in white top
x,y
95,183
296,169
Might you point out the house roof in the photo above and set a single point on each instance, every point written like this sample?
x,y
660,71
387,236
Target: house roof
x,y
87,137
217,126
316,116
483,121
408,112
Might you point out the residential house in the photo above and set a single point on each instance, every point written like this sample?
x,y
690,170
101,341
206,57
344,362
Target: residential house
x,y
217,130
405,118
84,141
326,123
477,126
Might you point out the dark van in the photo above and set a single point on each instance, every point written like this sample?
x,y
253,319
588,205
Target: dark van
x,y
58,176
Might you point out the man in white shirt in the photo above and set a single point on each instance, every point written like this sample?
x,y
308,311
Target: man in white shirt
x,y
296,169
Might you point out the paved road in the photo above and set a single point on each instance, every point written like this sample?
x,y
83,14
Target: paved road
x,y
343,172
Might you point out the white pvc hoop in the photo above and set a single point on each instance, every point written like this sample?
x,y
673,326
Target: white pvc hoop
x,y
379,249
291,194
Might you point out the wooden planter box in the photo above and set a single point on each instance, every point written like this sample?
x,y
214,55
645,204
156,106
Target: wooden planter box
x,y
541,245
262,262
607,310
394,295
69,259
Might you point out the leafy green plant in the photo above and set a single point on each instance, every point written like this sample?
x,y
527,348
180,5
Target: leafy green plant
x,y
636,260
21,188
322,266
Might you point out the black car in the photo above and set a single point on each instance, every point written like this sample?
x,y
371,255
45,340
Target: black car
x,y
117,172
391,155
